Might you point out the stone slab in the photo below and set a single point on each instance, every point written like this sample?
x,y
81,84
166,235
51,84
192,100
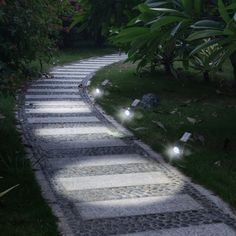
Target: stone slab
x,y
54,80
104,160
76,70
72,131
136,206
80,144
56,103
53,90
79,66
53,120
70,76
52,96
87,63
61,110
110,181
107,61
62,85
219,229
69,73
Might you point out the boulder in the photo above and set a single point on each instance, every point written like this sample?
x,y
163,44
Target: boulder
x,y
150,100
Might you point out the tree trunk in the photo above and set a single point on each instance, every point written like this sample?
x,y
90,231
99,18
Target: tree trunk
x,y
206,76
233,62
99,39
167,66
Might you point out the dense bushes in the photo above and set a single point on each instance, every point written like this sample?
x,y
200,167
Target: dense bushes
x,y
200,34
98,17
29,31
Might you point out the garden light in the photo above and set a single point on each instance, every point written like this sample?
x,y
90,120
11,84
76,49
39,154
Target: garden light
x,y
179,148
127,112
98,91
176,150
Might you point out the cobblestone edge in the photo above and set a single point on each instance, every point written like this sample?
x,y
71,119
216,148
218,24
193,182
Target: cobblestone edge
x,y
50,197
205,192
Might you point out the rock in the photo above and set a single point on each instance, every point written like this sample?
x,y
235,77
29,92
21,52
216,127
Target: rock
x,y
149,100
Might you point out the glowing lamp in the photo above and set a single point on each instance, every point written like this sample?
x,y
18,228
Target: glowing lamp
x,y
127,112
97,91
176,150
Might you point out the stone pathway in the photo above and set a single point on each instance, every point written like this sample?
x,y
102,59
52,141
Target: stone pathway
x,y
96,177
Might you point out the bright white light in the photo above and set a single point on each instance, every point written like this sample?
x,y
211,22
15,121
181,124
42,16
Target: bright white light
x,y
176,150
127,112
97,91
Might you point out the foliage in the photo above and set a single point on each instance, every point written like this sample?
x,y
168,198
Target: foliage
x,y
166,24
28,31
208,164
201,34
98,17
221,32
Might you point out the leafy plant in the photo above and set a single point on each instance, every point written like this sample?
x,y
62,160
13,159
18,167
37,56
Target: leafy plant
x,y
3,193
98,17
221,32
158,34
29,31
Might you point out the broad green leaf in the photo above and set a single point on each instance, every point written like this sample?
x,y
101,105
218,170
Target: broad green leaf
x,y
204,34
231,6
166,10
187,5
165,20
198,6
207,24
157,4
223,11
176,29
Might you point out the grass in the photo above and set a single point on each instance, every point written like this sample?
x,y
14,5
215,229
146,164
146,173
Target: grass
x,y
23,211
213,109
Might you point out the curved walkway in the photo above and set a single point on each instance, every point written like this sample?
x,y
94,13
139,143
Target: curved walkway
x,y
96,177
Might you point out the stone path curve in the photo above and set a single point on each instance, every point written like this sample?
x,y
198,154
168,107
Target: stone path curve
x,y
96,177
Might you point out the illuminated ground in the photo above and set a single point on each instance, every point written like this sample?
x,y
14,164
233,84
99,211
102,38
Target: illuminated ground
x,y
98,180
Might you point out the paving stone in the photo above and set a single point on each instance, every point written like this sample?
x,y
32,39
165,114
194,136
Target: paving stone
x,y
64,69
58,110
127,192
132,224
202,230
72,131
87,63
62,85
78,66
136,206
70,76
77,143
103,160
106,170
48,120
109,181
60,80
53,90
52,96
61,103
69,73
92,151
105,183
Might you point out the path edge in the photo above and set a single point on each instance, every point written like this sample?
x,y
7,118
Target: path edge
x,y
220,203
46,190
